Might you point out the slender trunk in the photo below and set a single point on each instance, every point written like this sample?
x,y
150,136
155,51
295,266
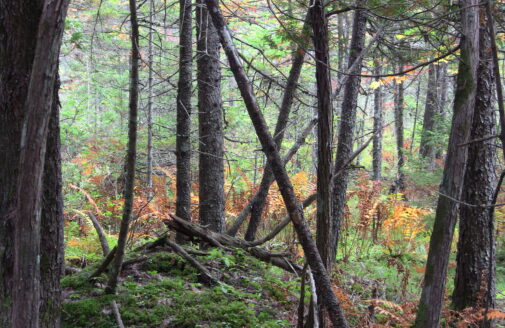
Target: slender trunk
x,y
442,86
258,203
430,305
150,104
324,131
427,147
474,245
52,237
414,127
131,155
377,126
347,123
211,165
399,183
295,211
183,143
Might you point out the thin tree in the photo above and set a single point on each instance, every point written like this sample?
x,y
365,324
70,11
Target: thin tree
x,y
377,126
210,123
183,142
324,130
475,247
399,183
347,123
131,153
150,56
430,305
427,147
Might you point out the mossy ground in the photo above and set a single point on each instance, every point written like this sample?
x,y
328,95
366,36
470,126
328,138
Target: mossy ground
x,y
164,291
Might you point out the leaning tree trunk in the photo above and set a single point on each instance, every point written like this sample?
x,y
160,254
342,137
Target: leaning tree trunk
x,y
258,201
211,165
347,123
183,143
377,127
131,153
52,237
324,131
427,147
322,280
474,245
430,305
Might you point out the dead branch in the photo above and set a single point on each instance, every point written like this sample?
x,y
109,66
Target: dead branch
x,y
214,238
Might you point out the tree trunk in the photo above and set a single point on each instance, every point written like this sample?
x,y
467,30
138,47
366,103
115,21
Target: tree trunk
x,y
399,183
347,123
474,245
427,147
131,155
258,201
183,144
377,126
295,211
324,131
150,104
52,237
211,165
430,305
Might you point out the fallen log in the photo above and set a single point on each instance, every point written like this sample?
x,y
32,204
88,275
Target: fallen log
x,y
221,240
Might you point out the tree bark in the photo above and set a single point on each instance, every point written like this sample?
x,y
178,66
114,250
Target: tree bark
x,y
258,201
347,123
427,147
475,249
321,277
377,126
210,123
52,220
430,305
399,183
324,131
183,143
131,153
150,95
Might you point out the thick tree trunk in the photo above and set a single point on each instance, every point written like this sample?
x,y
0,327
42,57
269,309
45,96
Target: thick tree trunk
x,y
210,122
427,147
131,153
347,123
474,245
17,45
258,201
377,126
324,131
295,211
430,305
183,143
52,238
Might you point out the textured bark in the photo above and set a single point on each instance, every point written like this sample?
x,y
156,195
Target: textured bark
x,y
258,201
210,123
30,37
131,153
150,95
183,144
324,131
52,220
377,126
347,123
430,305
399,183
427,147
474,246
18,33
295,211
